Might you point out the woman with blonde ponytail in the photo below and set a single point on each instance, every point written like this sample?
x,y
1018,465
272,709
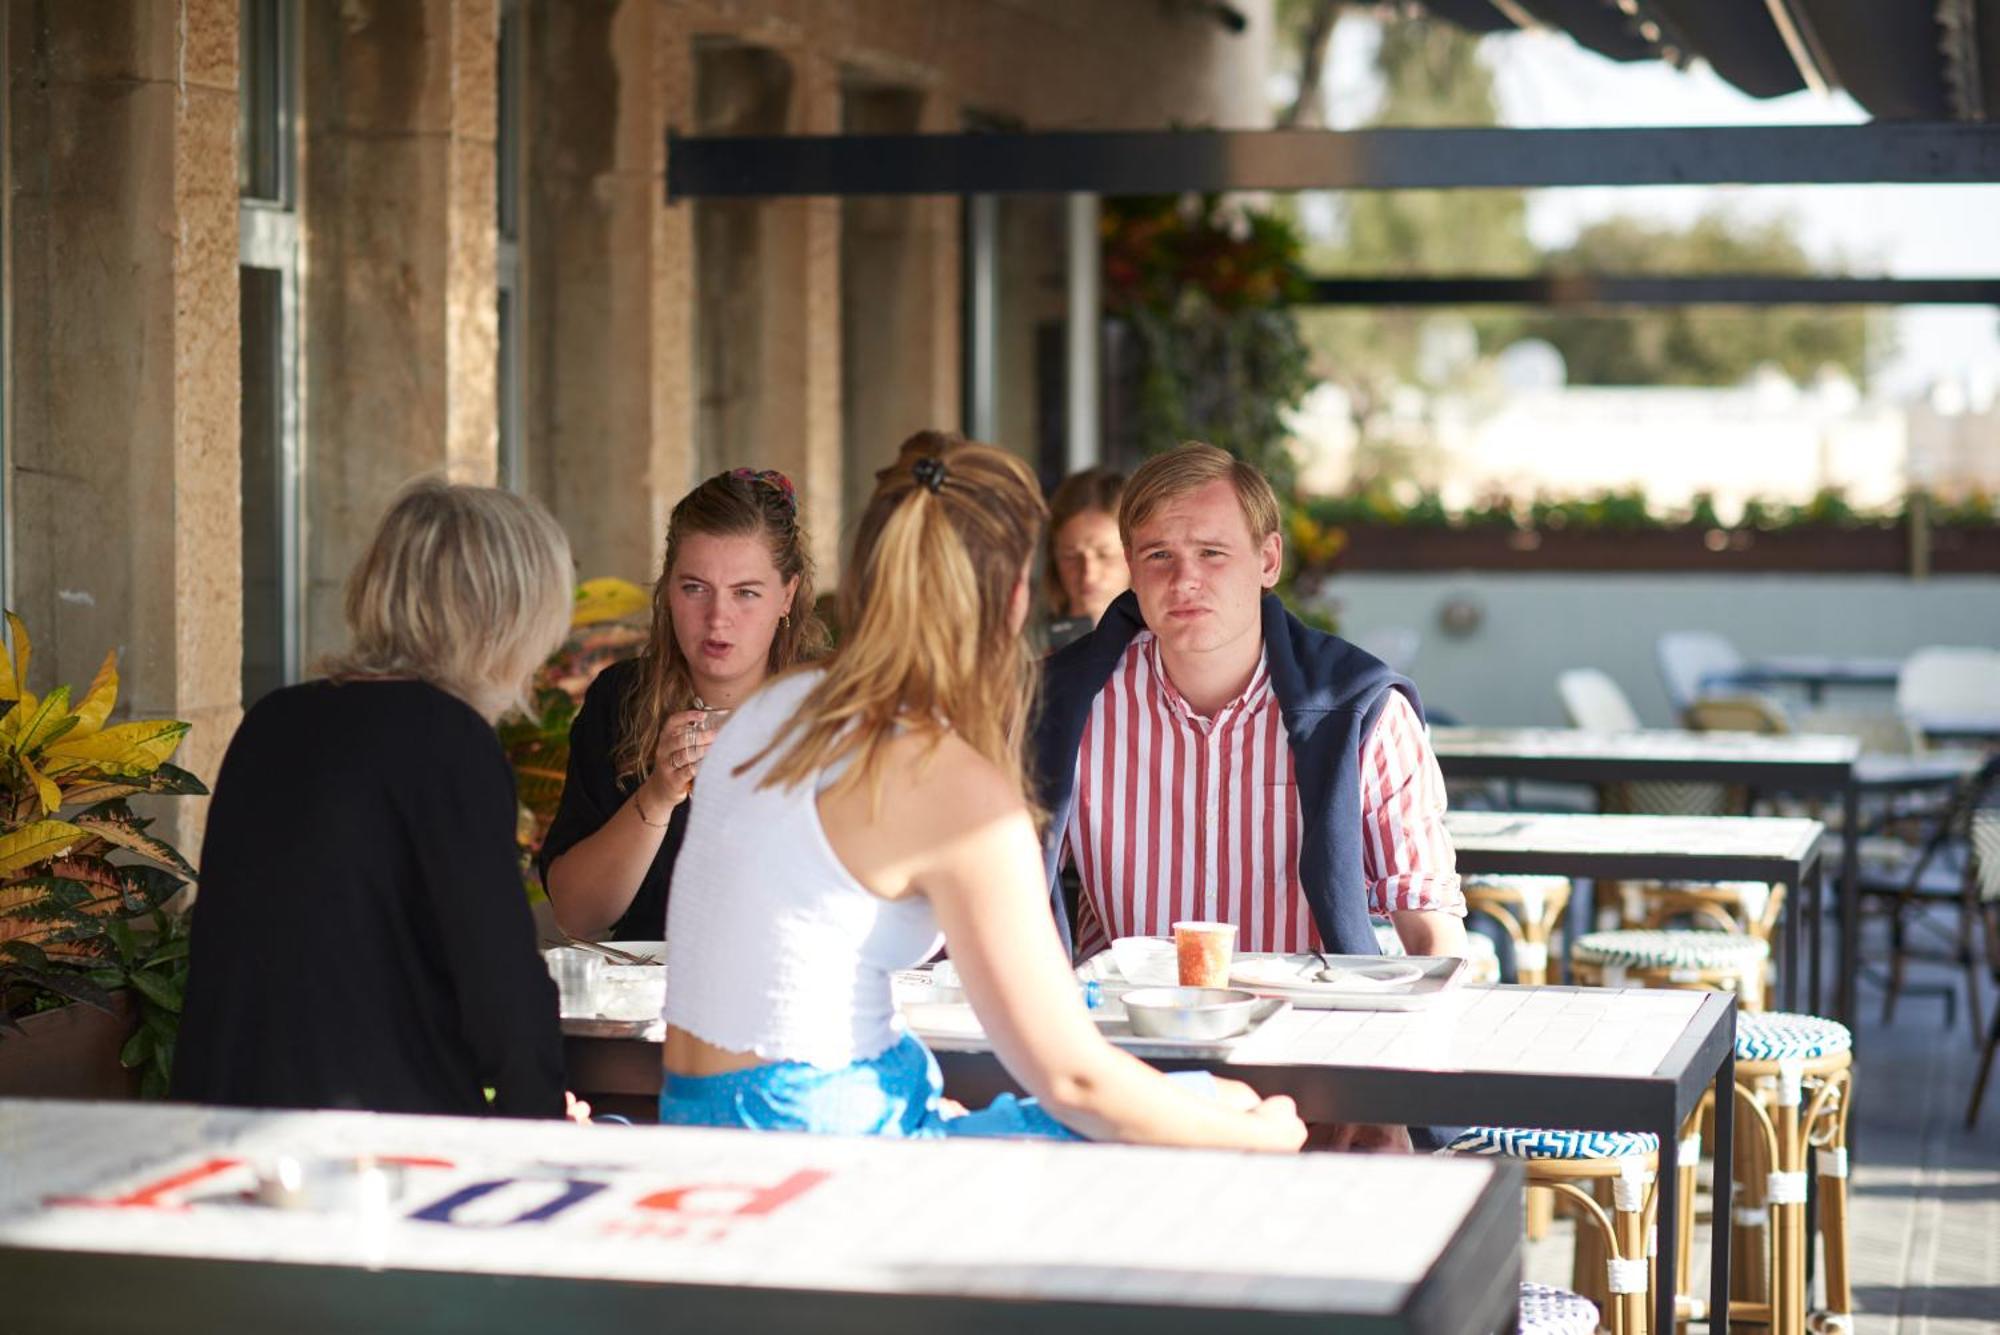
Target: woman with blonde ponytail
x,y
859,814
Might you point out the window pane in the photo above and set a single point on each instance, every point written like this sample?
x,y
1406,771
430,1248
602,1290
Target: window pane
x,y
263,483
508,137
264,117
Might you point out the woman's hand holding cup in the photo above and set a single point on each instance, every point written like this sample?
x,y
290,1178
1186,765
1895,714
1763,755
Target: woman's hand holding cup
x,y
684,740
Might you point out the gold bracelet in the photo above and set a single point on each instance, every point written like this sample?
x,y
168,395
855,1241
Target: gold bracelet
x,y
639,809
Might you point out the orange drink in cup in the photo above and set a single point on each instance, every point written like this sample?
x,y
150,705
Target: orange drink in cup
x,y
1204,950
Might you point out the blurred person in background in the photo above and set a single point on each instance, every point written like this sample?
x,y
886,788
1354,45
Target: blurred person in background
x,y
1084,565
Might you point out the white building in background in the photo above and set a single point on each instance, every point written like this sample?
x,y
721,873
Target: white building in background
x,y
1533,435
1955,438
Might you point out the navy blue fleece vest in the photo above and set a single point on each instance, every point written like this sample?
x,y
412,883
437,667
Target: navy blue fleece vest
x,y
1329,695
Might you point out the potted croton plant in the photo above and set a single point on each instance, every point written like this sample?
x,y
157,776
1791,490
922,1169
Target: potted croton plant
x,y
92,964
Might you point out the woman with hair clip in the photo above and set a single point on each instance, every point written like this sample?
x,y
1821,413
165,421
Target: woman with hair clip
x,y
361,940
733,604
852,813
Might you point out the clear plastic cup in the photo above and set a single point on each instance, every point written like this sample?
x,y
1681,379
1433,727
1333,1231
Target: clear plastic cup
x,y
579,976
1203,951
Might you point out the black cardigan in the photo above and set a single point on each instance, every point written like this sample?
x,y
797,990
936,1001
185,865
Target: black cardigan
x,y
593,792
362,937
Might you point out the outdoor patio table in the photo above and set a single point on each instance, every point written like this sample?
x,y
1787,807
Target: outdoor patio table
x,y
129,1216
1964,729
1797,763
1814,672
1660,848
1584,1059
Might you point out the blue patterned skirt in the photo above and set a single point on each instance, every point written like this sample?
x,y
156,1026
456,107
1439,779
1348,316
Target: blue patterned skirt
x,y
898,1093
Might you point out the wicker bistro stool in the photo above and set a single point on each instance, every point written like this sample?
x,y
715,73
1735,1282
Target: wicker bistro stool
x,y
1546,1310
1530,909
1794,1089
1749,907
1613,1258
1712,961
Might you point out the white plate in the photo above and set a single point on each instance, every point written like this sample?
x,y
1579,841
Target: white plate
x,y
1362,982
1305,973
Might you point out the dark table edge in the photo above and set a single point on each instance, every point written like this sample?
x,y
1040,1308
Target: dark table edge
x,y
1475,1286
1784,775
1597,865
54,1292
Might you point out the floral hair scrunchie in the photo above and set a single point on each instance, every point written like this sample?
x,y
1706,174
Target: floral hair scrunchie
x,y
772,478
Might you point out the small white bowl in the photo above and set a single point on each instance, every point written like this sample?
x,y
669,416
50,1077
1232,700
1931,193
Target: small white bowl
x,y
1193,1013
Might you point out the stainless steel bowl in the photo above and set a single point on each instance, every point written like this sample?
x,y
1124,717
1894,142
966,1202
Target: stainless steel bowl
x,y
1189,1012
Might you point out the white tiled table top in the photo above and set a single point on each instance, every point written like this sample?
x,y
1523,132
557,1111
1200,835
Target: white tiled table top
x,y
1784,838
1517,1030
1647,745
1323,1233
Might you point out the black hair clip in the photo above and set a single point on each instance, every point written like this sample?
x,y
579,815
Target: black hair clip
x,y
929,471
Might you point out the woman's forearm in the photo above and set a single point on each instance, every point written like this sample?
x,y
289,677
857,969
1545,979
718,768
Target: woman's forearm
x,y
594,881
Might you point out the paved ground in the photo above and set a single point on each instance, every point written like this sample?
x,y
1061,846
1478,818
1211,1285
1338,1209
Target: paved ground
x,y
1926,1192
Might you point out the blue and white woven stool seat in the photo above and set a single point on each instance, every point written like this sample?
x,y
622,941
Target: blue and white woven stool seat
x,y
1777,1036
1508,1142
1671,950
1552,1311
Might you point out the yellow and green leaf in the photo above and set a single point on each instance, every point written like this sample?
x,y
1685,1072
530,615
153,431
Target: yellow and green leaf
x,y
37,841
98,700
18,632
129,748
45,788
14,667
47,719
607,598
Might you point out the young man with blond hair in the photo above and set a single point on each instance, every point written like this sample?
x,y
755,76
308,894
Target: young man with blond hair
x,y
1205,755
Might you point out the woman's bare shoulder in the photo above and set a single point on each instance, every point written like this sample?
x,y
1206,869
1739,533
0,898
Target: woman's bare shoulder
x,y
945,782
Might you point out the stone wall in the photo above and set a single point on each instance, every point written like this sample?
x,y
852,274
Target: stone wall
x,y
809,335
121,268
659,341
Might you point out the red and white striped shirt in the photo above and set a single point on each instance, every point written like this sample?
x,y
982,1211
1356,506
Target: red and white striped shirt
x,y
1182,817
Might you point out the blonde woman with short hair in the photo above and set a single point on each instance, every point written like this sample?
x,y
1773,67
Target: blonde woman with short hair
x,y
855,817
361,939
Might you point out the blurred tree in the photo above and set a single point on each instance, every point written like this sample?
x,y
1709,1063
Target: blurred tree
x,y
1305,27
1386,360
1693,345
1431,74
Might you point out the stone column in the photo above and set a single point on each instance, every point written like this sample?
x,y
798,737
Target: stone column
x,y
607,395
802,327
899,300
671,452
401,291
767,289
122,265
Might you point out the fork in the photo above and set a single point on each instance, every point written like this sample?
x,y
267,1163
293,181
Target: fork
x,y
610,952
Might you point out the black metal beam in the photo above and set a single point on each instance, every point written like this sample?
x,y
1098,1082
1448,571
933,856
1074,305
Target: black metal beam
x,y
1571,291
1140,162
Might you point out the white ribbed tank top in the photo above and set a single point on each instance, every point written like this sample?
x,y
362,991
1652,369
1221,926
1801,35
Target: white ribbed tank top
x,y
772,946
